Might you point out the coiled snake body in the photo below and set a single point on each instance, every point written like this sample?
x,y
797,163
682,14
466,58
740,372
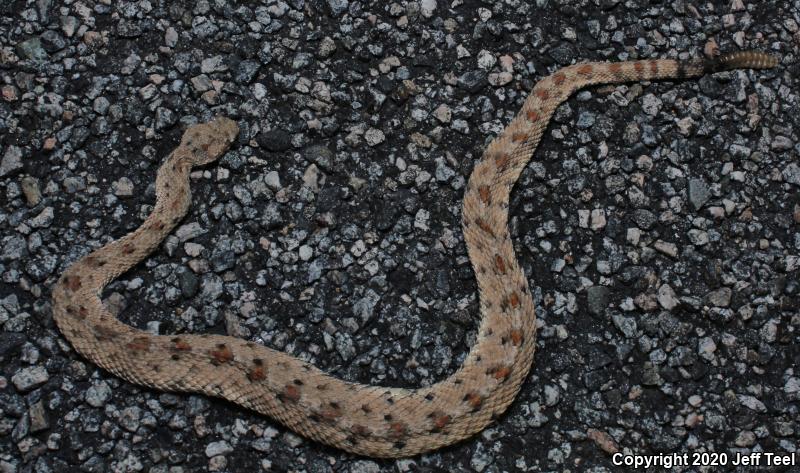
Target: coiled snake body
x,y
367,420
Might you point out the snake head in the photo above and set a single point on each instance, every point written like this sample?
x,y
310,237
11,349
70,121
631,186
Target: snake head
x,y
206,142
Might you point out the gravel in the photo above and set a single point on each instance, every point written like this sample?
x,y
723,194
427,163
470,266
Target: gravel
x,y
28,378
12,160
657,223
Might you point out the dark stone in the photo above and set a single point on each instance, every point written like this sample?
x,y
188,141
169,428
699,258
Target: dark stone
x,y
597,299
188,283
246,71
275,140
319,155
338,6
165,118
222,259
128,29
271,217
710,86
698,193
40,268
632,274
52,41
385,84
31,49
644,219
650,375
564,54
327,199
593,380
402,280
473,81
385,216
682,356
79,136
10,343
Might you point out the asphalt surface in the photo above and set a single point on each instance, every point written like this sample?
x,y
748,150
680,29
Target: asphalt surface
x,y
659,224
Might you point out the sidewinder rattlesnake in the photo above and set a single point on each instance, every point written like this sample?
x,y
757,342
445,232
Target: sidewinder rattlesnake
x,y
363,419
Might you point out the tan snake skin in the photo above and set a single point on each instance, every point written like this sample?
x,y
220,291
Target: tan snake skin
x,y
367,420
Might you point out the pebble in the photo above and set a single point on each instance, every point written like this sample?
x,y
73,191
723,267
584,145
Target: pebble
x,y
650,375
273,180
189,231
633,235
586,120
69,24
473,81
148,92
706,348
129,418
38,417
598,219
374,137
421,220
188,283
29,378
30,188
52,41
43,219
698,237
752,403
98,394
171,37
12,160
213,64
644,219
211,287
666,297
428,8
275,140
745,438
597,298
720,297
222,256
699,193
781,143
603,440
626,325
122,187
792,385
220,447
305,252
791,174
327,47
486,60
246,71
499,79
14,248
32,49
443,113
651,105
319,155
344,346
338,7
165,118
364,308
669,249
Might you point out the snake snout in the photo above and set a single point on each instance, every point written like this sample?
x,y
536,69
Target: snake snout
x,y
208,141
226,128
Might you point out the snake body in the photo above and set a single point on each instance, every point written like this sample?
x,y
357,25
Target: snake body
x,y
363,419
